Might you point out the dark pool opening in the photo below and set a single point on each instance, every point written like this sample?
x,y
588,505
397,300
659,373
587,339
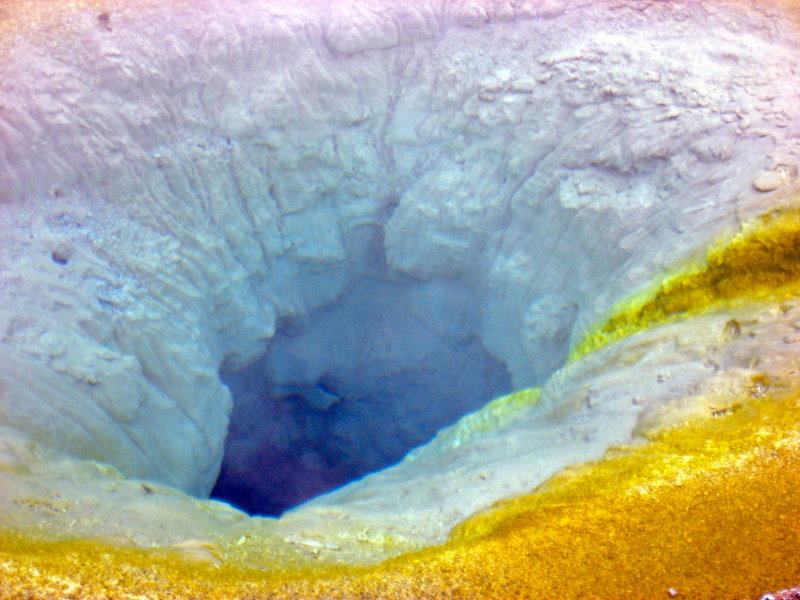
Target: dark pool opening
x,y
350,388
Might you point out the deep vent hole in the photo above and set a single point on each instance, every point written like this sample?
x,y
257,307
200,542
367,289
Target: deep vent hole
x,y
351,387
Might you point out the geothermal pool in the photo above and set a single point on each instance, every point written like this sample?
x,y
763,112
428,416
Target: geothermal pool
x,y
374,267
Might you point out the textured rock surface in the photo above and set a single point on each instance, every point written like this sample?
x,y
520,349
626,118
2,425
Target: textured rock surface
x,y
165,204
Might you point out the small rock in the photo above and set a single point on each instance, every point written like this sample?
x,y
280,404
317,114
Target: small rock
x,y
672,592
768,181
503,75
523,85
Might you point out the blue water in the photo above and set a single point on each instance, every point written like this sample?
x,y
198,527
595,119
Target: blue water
x,y
350,389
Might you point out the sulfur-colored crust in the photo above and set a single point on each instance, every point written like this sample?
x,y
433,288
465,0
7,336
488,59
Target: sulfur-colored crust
x,y
707,509
761,261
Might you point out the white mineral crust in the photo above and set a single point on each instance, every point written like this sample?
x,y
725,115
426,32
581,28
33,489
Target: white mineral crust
x,y
176,179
